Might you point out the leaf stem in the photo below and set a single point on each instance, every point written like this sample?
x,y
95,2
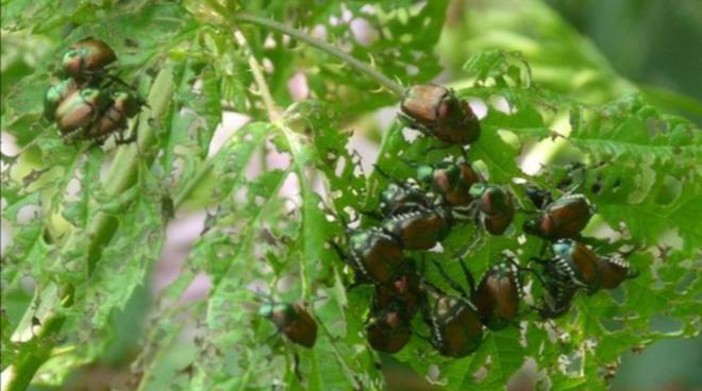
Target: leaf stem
x,y
257,70
361,67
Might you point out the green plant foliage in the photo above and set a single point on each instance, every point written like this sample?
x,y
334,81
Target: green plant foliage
x,y
88,224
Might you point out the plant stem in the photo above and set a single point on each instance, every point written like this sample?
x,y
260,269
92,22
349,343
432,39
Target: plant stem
x,y
364,68
257,70
47,302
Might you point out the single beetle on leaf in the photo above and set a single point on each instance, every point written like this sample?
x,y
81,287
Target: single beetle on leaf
x,y
498,295
563,218
293,320
439,112
86,58
493,207
421,229
373,254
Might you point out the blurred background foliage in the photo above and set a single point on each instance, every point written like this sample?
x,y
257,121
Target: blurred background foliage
x,y
592,50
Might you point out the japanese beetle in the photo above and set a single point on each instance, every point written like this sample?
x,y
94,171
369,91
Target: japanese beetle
x,y
561,219
403,291
498,295
439,112
56,94
580,261
114,118
387,330
451,180
420,229
79,110
494,207
613,271
293,320
86,58
456,330
557,299
573,267
402,198
373,254
559,289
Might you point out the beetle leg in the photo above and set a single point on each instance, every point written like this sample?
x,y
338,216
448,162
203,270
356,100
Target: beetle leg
x,y
452,283
372,214
120,139
469,276
470,247
413,124
343,257
296,367
386,175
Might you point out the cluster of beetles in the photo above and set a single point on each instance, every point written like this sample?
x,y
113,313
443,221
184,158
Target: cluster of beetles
x,y
90,102
417,214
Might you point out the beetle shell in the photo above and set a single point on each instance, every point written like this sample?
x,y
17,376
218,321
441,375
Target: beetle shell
x,y
86,57
403,291
497,297
564,218
458,123
387,331
293,320
582,261
441,113
398,199
422,103
375,254
613,271
79,109
419,230
456,327
56,94
496,207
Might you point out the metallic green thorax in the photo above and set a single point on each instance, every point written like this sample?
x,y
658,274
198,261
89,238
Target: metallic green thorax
x,y
56,94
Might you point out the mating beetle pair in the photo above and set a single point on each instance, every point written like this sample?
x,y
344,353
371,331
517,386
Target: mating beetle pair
x,y
90,114
394,305
575,266
84,104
